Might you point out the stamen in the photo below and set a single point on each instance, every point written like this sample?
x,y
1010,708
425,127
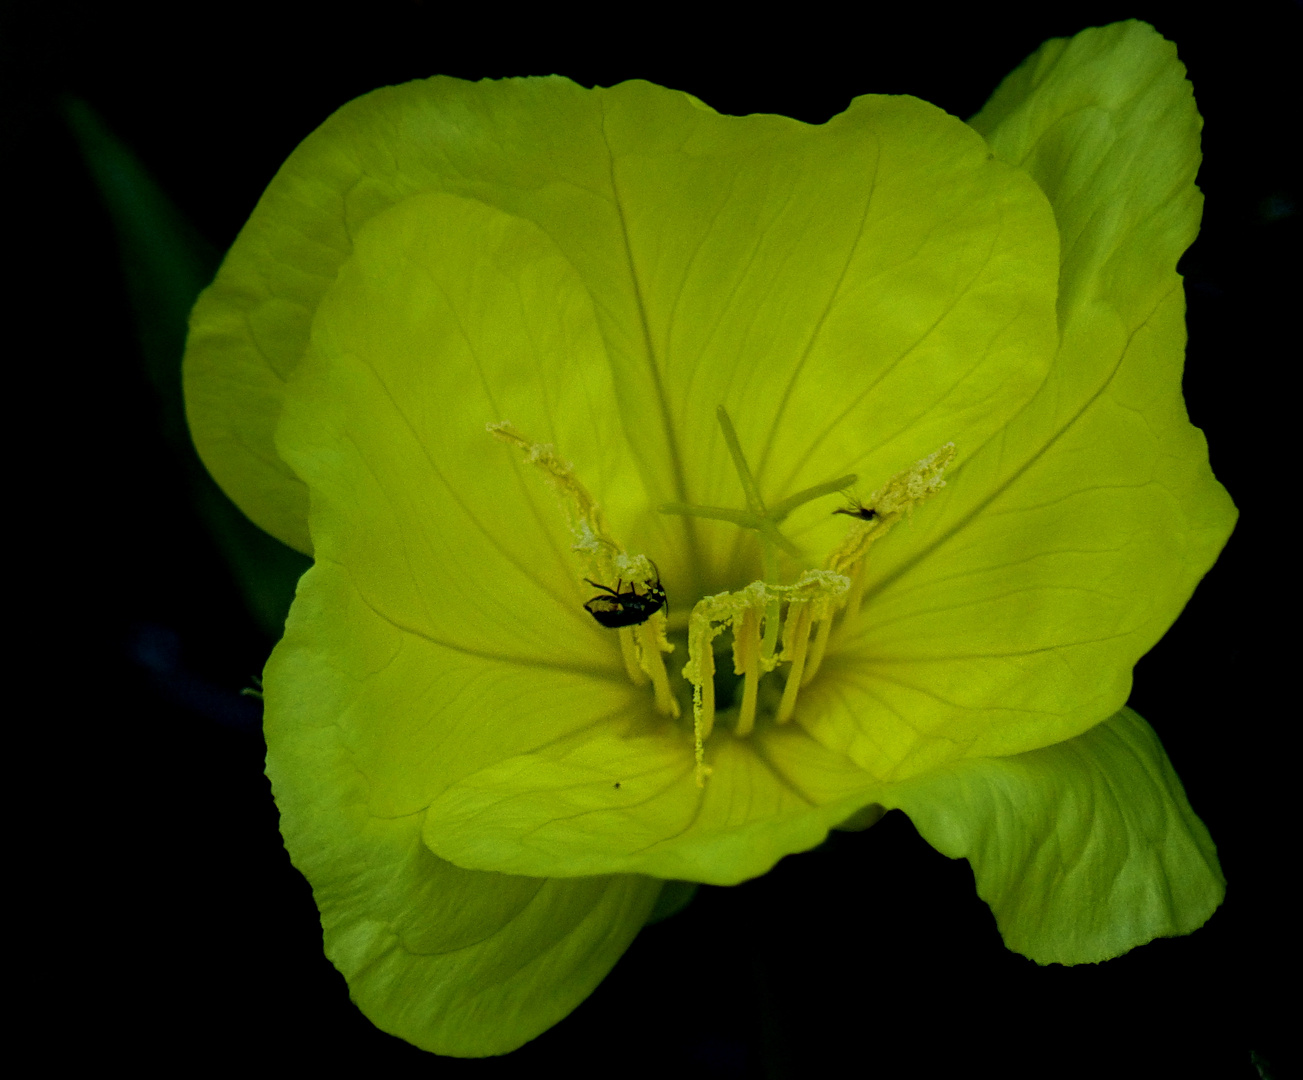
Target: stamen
x,y
821,594
585,517
641,644
755,613
700,670
795,639
894,500
746,662
855,598
891,502
813,596
820,646
652,642
773,612
629,654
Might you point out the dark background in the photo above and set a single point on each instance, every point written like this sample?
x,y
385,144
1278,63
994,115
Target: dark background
x,y
167,926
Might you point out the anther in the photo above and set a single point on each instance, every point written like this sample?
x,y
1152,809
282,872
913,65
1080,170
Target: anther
x,y
814,595
894,500
636,605
636,614
796,638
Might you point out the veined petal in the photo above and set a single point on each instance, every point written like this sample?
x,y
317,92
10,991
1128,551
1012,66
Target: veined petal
x,y
601,805
606,270
457,962
1084,850
1011,616
882,261
447,559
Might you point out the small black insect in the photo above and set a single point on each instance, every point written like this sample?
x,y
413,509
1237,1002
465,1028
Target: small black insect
x,y
626,607
864,513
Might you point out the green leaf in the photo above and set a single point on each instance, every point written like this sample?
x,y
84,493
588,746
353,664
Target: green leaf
x,y
1011,615
674,897
1083,850
455,961
164,259
166,263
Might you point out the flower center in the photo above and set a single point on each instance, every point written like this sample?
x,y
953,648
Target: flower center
x,y
636,605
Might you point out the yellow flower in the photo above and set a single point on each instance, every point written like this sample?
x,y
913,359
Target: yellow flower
x,y
512,359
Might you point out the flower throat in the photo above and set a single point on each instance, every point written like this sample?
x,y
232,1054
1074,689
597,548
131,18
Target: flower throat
x,y
772,623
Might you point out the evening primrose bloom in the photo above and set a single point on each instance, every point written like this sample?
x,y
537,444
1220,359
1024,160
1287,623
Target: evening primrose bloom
x,y
516,361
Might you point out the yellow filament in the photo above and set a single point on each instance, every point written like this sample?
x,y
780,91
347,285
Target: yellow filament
x,y
746,662
770,641
584,515
605,559
651,643
796,639
854,596
703,714
896,499
815,598
700,670
629,654
815,658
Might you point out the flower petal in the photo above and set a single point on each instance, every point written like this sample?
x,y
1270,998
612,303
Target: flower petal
x,y
455,961
455,596
1083,850
758,262
452,315
1010,616
602,805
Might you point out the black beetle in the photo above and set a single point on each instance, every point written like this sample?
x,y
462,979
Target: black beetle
x,y
626,607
